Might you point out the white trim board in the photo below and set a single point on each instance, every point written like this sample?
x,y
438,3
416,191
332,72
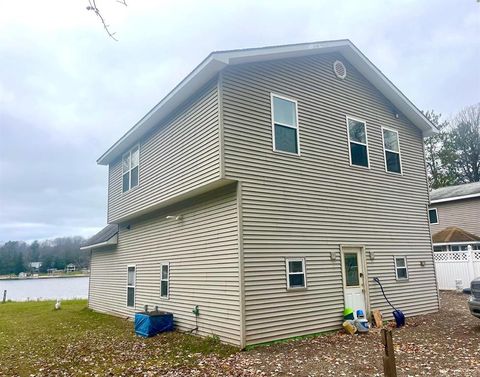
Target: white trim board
x,y
217,61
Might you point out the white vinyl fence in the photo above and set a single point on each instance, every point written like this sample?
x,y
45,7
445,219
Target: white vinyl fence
x,y
456,265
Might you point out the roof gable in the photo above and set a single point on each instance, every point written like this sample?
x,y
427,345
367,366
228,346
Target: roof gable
x,y
454,234
216,61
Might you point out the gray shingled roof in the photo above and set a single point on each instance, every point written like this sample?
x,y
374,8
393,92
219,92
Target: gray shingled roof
x,y
103,236
453,192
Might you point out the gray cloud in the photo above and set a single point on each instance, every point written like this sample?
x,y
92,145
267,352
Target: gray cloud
x,y
67,91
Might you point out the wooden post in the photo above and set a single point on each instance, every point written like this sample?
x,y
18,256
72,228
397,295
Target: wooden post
x,y
389,367
4,296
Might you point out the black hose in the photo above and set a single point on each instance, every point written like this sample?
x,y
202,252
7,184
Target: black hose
x,y
377,280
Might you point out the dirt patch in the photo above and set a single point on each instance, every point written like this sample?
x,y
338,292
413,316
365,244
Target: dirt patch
x,y
446,343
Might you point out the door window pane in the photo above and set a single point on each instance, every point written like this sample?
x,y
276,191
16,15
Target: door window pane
x,y
351,269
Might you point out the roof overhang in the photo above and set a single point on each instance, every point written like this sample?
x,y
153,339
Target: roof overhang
x,y
453,198
217,61
111,241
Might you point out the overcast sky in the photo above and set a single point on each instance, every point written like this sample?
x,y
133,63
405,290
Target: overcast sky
x,y
68,91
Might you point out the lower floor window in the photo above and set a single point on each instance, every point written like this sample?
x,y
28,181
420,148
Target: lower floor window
x,y
164,280
131,286
401,269
296,276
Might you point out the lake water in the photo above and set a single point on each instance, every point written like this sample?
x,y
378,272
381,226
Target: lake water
x,y
45,289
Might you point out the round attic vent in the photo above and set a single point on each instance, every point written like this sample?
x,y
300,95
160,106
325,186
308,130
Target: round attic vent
x,y
339,69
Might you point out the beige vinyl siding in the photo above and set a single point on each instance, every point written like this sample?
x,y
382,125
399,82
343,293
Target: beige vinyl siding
x,y
308,206
464,214
180,155
204,266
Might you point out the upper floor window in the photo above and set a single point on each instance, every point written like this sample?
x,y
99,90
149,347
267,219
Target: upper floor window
x,y
285,125
391,147
130,164
357,142
433,216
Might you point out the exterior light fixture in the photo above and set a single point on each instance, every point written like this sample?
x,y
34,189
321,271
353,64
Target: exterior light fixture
x,y
333,255
177,218
371,254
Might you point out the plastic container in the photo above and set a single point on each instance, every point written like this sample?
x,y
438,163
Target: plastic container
x,y
362,325
152,323
349,327
348,314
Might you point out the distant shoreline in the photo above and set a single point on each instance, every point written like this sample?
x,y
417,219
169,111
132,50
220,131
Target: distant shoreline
x,y
63,276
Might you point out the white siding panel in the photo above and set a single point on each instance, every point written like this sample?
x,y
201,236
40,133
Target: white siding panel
x,y
203,253
308,206
180,155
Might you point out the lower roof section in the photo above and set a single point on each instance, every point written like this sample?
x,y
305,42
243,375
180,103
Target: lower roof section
x,y
222,182
107,236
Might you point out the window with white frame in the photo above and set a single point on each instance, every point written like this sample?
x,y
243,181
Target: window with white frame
x,y
131,286
296,275
433,216
165,280
285,125
357,142
401,269
130,165
391,148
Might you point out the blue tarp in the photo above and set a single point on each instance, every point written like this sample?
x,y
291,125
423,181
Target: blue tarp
x,y
151,324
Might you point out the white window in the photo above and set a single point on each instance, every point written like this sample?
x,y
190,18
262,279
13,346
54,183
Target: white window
x,y
131,286
130,165
357,142
401,269
164,280
391,149
285,125
433,216
296,276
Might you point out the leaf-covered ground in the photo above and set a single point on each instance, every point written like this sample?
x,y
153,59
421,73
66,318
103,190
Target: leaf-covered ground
x,y
75,341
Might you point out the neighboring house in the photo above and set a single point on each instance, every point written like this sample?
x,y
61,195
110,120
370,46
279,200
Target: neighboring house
x,y
35,266
70,267
269,188
454,215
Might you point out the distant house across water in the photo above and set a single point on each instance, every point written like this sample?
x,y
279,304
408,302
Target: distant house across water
x,y
70,268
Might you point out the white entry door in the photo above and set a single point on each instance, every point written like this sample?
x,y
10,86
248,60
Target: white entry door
x,y
352,263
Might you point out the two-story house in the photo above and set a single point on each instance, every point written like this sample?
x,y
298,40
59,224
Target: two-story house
x,y
454,216
269,188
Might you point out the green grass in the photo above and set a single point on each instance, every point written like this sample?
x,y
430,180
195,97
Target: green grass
x,y
36,339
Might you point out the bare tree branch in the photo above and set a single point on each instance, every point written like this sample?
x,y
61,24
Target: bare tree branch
x,y
93,7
